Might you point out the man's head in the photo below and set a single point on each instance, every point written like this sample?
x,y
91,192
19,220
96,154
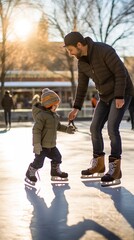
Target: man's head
x,y
49,99
75,43
72,38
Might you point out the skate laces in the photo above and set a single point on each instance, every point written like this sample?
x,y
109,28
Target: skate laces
x,y
112,167
93,162
58,169
32,171
38,175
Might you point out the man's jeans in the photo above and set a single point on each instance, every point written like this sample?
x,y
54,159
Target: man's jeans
x,y
108,112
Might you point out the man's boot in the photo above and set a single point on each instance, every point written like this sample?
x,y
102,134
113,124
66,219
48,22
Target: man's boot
x,y
96,170
112,177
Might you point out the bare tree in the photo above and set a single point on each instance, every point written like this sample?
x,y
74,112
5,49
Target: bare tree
x,y
66,17
7,8
106,21
110,21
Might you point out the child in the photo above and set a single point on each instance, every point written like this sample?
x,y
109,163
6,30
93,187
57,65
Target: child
x,y
46,124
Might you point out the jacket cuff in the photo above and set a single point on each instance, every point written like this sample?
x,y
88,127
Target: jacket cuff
x,y
76,107
119,97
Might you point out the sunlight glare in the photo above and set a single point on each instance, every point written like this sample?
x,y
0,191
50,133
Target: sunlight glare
x,y
23,28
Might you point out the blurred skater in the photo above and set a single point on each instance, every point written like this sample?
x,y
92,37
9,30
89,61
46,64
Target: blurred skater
x,y
7,105
131,112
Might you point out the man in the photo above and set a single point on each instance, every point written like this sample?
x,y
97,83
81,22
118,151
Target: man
x,y
7,104
100,62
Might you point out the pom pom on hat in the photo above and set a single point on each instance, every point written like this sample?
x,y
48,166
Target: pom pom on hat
x,y
35,99
49,98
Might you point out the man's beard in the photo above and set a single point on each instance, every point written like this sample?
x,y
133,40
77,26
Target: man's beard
x,y
79,53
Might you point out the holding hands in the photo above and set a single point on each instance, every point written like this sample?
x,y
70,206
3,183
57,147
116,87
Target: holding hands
x,y
70,129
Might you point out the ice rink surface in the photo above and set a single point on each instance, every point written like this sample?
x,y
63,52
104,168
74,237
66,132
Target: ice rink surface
x,y
74,210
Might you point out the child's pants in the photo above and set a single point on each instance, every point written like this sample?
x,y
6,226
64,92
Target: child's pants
x,y
52,153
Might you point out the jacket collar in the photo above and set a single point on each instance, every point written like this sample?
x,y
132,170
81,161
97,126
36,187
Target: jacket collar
x,y
90,44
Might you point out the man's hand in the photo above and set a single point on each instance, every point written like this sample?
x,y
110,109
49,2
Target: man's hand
x,y
119,103
72,115
37,148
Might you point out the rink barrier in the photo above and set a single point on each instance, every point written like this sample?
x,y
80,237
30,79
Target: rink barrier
x,y
25,115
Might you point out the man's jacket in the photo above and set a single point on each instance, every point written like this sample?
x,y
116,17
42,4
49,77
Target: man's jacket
x,y
106,69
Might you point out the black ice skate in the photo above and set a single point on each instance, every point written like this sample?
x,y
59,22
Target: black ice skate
x,y
30,175
113,176
56,174
96,170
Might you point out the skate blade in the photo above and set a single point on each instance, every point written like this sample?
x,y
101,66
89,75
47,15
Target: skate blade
x,y
95,175
59,179
29,182
111,183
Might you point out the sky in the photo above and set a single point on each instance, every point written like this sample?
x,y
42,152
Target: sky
x,y
27,21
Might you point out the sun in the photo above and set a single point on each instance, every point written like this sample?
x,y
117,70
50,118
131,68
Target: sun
x,y
22,29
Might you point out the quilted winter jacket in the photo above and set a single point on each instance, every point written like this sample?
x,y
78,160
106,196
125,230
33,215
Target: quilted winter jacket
x,y
46,125
106,69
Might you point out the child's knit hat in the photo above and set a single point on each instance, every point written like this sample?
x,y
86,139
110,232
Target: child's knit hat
x,y
49,98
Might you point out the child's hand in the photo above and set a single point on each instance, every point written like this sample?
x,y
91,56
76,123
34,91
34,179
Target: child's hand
x,y
37,148
70,129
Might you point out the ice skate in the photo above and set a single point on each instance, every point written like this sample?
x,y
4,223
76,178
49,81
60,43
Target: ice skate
x,y
57,174
113,176
96,170
30,175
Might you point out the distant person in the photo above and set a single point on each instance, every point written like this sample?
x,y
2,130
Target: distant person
x,y
94,101
46,125
26,103
7,104
131,112
100,62
70,100
36,99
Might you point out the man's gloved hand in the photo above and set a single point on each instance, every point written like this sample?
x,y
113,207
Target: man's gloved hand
x,y
37,148
70,130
